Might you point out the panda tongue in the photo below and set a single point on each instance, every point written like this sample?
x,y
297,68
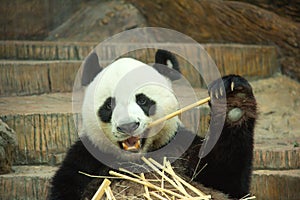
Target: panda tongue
x,y
132,143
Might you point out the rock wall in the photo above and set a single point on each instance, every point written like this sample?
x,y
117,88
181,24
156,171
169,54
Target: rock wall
x,y
207,21
33,19
232,22
96,20
284,8
8,144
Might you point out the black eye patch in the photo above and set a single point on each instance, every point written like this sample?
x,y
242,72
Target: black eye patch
x,y
105,111
147,104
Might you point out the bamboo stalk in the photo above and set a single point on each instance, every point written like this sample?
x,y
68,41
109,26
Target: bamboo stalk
x,y
109,194
130,173
162,177
101,189
96,176
198,192
162,174
197,198
169,167
157,196
147,195
169,116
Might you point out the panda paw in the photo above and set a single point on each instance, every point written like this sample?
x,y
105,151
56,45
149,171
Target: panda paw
x,y
237,93
233,85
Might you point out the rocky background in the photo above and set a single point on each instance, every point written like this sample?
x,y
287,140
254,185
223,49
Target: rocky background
x,y
36,71
8,143
207,21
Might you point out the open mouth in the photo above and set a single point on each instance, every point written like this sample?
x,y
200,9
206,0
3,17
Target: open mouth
x,y
131,144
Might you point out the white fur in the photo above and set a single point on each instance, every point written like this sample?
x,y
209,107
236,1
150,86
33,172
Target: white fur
x,y
169,64
122,80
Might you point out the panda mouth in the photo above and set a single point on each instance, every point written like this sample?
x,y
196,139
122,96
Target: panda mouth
x,y
131,144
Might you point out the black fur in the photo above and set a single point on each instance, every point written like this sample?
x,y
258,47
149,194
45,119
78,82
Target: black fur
x,y
68,184
91,68
147,104
105,111
229,164
161,58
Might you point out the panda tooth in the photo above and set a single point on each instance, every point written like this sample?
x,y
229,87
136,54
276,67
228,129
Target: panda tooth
x,y
125,147
232,86
135,147
138,144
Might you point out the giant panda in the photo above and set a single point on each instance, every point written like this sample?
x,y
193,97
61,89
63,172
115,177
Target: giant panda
x,y
115,124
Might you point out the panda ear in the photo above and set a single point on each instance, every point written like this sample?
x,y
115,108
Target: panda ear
x,y
91,68
167,64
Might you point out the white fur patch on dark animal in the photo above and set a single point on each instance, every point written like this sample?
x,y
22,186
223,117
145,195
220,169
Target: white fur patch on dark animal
x,y
235,114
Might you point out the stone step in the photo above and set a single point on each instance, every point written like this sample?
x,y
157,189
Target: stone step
x,y
268,184
44,50
61,61
45,127
19,78
32,182
26,183
275,156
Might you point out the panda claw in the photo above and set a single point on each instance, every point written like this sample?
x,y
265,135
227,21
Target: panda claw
x,y
232,86
221,92
217,95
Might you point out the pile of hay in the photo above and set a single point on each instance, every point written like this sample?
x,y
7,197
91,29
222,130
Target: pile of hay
x,y
162,183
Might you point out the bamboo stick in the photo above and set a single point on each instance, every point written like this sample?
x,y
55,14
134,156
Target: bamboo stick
x,y
109,194
157,196
147,195
169,116
101,190
162,174
198,192
169,167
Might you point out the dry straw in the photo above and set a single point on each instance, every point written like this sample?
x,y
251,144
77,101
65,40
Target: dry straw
x,y
154,189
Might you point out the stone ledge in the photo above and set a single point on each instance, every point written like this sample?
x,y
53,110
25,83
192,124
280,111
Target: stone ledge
x,y
28,182
267,184
278,158
251,61
19,78
41,136
43,50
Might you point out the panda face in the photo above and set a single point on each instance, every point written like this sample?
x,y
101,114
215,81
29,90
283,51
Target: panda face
x,y
121,102
129,129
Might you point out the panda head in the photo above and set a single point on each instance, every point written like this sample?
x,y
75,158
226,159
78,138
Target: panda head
x,y
123,99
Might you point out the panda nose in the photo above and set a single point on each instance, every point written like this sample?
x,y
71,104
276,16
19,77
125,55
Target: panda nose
x,y
128,128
